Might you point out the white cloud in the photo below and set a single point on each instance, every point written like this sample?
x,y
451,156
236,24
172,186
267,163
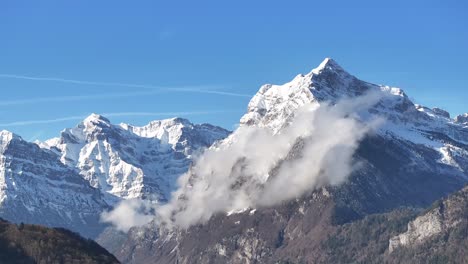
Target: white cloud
x,y
127,214
254,170
240,175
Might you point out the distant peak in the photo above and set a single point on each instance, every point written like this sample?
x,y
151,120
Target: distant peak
x,y
5,138
96,118
5,133
180,120
327,64
462,119
171,121
441,112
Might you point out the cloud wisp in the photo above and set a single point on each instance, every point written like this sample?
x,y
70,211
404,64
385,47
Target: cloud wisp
x,y
72,98
132,212
72,81
150,89
114,114
256,167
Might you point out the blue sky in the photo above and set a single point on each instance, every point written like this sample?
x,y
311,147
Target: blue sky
x,y
143,60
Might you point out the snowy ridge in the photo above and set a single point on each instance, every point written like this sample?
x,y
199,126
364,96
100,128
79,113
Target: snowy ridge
x,y
35,187
70,180
417,156
126,161
274,106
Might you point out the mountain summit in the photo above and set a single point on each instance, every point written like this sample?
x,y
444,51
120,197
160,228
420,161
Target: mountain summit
x,y
70,180
415,157
126,161
328,64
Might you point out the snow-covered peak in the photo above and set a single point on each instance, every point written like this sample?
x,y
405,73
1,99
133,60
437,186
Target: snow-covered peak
x,y
180,133
327,64
93,127
5,138
274,105
6,135
167,130
96,119
126,161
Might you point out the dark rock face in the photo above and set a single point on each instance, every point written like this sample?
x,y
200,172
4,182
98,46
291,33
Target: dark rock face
x,y
441,112
462,119
295,231
36,244
253,236
303,231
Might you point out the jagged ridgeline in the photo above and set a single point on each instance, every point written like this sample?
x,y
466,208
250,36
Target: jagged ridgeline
x,y
389,173
416,156
70,180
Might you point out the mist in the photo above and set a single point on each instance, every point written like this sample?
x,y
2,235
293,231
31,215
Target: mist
x,y
128,214
256,167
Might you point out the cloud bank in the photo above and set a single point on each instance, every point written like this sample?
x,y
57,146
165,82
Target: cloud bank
x,y
255,167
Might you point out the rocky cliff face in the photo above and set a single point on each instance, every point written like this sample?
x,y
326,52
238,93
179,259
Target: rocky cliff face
x,y
416,157
445,216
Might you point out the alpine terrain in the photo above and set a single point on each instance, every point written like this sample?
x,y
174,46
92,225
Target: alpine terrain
x,y
413,157
70,180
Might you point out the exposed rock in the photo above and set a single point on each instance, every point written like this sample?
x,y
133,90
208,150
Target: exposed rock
x,y
441,112
462,119
418,230
445,215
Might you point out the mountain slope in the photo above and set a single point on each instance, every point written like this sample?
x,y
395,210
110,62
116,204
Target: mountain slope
x,y
36,244
442,230
125,161
35,187
416,157
69,181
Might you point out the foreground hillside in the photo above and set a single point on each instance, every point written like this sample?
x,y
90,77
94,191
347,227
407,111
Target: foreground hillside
x,y
439,235
36,244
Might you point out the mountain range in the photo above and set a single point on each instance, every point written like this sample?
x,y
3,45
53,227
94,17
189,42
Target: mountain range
x,y
402,157
70,180
415,157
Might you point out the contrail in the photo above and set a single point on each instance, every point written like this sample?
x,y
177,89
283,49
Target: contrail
x,y
114,114
193,89
72,98
44,121
52,79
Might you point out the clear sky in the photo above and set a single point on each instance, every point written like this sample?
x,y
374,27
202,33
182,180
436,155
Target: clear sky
x,y
138,61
